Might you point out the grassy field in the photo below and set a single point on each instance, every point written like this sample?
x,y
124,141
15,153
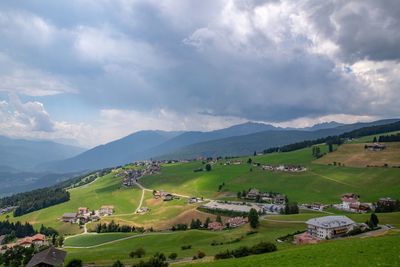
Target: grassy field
x,y
269,230
105,190
355,155
376,251
320,183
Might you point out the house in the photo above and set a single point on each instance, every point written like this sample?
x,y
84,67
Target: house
x,y
237,221
348,199
36,240
69,217
329,226
387,201
107,210
48,257
215,226
143,210
253,193
280,199
375,147
83,210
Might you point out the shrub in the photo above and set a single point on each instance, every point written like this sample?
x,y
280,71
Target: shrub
x,y
223,255
186,247
173,256
201,254
263,247
74,263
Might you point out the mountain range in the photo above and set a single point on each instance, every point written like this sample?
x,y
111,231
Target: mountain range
x,y
242,139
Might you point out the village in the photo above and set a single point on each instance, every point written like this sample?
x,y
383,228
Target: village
x,y
84,215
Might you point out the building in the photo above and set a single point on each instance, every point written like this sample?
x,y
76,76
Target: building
x,y
36,240
69,217
215,226
48,257
375,147
329,226
387,202
107,210
349,199
253,193
83,211
237,221
280,199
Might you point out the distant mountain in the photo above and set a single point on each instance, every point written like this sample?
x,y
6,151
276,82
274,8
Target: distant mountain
x,y
247,144
115,153
324,125
145,145
16,182
240,139
18,154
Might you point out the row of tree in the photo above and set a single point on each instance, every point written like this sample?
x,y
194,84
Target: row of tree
x,y
387,138
337,139
18,229
116,227
260,248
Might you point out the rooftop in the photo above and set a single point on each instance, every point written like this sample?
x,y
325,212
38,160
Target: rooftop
x,y
330,221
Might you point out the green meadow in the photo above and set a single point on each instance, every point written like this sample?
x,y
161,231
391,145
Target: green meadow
x,y
105,190
320,183
373,251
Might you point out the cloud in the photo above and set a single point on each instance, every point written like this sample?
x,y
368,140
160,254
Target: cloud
x,y
275,61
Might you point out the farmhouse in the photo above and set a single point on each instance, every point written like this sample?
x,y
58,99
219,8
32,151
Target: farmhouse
x,y
215,226
36,240
387,201
329,226
237,221
375,147
83,211
106,210
48,257
253,193
69,217
349,199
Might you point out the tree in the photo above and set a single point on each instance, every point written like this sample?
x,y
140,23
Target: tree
x,y
139,252
74,263
218,219
255,153
60,240
253,218
201,254
173,256
118,263
208,220
374,140
374,221
208,167
249,161
239,194
330,147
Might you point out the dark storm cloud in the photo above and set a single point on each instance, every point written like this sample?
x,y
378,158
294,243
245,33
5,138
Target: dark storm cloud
x,y
250,59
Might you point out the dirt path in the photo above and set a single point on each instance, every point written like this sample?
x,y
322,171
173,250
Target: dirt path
x,y
331,179
122,239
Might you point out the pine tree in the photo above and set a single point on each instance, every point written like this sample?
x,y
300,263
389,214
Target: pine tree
x,y
253,218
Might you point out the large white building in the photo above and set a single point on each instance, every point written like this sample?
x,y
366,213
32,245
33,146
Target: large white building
x,y
329,226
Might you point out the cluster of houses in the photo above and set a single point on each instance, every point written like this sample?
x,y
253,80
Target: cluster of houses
x,y
284,168
37,240
232,223
375,147
84,215
351,203
193,200
133,175
268,197
327,227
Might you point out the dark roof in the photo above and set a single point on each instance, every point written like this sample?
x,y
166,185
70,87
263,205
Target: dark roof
x,y
50,256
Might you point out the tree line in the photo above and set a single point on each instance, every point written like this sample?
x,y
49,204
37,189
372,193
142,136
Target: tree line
x,y
337,139
388,138
49,196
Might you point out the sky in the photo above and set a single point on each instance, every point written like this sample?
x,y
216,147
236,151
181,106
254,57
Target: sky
x,y
91,71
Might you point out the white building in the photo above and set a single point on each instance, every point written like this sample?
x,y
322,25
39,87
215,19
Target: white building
x,y
329,226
